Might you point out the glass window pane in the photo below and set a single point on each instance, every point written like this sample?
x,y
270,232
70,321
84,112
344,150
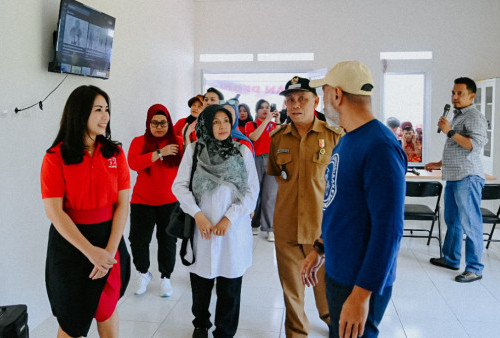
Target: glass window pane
x,y
404,104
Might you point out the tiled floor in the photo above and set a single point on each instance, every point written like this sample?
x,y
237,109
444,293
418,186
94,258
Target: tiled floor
x,y
426,301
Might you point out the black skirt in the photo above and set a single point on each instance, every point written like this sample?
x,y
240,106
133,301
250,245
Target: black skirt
x,y
74,296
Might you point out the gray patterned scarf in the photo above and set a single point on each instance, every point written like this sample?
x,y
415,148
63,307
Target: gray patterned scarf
x,y
219,162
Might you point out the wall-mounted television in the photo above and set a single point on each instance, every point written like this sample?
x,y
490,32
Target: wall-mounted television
x,y
83,41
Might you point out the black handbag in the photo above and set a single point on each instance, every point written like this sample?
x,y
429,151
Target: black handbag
x,y
14,321
180,224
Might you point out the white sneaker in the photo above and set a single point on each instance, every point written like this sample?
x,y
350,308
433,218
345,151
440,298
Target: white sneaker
x,y
270,236
165,287
143,282
255,231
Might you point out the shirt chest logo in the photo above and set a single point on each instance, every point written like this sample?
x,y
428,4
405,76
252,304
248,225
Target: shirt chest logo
x,y
331,180
112,162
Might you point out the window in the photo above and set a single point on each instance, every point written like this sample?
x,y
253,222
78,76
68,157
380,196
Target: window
x,y
404,109
226,57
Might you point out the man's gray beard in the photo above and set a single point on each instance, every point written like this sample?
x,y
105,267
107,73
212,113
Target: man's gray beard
x,y
332,116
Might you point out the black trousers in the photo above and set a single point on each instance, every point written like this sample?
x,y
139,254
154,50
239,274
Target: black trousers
x,y
142,222
227,309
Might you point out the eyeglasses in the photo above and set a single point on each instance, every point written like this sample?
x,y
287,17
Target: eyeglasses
x,y
231,102
157,124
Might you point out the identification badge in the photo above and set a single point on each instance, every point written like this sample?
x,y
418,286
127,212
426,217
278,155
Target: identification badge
x,y
280,151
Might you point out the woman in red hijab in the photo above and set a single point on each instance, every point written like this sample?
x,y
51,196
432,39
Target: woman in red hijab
x,y
155,156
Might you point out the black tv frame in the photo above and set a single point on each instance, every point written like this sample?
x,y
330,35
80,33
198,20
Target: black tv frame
x,y
83,41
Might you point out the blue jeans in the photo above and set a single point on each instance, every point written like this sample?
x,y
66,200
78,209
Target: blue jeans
x,y
462,214
336,295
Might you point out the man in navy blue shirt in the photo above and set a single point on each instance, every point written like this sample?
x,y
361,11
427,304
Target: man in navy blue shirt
x,y
363,207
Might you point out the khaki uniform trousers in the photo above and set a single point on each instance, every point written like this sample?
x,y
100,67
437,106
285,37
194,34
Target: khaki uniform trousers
x,y
289,257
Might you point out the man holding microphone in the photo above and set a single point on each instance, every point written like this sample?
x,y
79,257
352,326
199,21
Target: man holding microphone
x,y
464,176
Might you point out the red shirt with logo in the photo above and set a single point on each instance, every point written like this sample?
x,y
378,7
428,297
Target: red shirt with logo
x,y
91,186
263,143
153,186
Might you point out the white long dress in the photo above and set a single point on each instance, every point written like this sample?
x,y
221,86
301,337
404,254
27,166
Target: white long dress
x,y
226,256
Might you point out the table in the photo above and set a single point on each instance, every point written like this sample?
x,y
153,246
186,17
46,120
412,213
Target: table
x,y
436,175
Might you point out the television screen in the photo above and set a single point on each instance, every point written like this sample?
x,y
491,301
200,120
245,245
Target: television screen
x,y
84,41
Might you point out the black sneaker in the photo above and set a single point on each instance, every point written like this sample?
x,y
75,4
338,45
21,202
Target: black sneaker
x,y
467,277
200,332
442,263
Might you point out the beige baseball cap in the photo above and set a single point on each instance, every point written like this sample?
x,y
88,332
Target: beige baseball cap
x,y
352,76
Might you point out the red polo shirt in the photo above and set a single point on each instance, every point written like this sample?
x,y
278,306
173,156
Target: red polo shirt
x,y
153,187
263,143
89,189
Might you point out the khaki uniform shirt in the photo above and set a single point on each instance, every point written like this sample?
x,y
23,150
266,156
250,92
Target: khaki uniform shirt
x,y
299,203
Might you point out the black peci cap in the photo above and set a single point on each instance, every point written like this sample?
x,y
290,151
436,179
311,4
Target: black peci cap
x,y
298,84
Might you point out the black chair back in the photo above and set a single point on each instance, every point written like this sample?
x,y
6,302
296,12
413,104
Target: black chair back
x,y
491,192
423,189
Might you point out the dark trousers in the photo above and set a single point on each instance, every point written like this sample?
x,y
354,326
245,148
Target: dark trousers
x,y
227,309
142,223
337,294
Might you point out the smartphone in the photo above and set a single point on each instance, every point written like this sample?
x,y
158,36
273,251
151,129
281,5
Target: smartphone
x,y
273,107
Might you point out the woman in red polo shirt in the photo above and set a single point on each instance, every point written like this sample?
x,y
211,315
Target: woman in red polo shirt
x,y
185,126
258,132
244,116
155,156
85,184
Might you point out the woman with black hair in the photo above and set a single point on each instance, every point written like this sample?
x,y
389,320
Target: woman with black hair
x,y
260,134
244,116
85,184
185,126
224,193
155,156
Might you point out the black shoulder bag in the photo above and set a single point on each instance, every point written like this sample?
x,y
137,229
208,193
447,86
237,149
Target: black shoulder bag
x,y
180,224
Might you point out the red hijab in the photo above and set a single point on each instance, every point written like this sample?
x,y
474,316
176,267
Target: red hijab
x,y
152,143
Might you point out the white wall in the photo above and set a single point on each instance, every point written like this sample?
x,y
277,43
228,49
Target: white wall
x,y
152,62
462,34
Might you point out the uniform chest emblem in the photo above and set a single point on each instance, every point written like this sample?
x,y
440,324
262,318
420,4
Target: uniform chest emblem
x,y
112,162
331,180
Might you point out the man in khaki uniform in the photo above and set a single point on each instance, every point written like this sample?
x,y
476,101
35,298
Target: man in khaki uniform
x,y
298,156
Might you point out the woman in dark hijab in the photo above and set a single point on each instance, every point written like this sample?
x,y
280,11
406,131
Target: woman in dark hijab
x,y
225,189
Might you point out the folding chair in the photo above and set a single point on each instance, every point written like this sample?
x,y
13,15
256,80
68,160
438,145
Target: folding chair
x,y
421,212
490,192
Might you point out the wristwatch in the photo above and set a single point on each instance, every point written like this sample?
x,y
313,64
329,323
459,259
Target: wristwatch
x,y
159,154
319,247
451,133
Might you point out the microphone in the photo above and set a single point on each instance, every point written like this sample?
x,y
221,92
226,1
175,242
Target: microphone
x,y
445,113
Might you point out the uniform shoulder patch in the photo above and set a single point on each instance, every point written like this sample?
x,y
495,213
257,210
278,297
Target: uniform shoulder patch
x,y
335,129
278,129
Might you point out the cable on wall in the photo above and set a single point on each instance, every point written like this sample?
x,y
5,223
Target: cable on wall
x,y
40,103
